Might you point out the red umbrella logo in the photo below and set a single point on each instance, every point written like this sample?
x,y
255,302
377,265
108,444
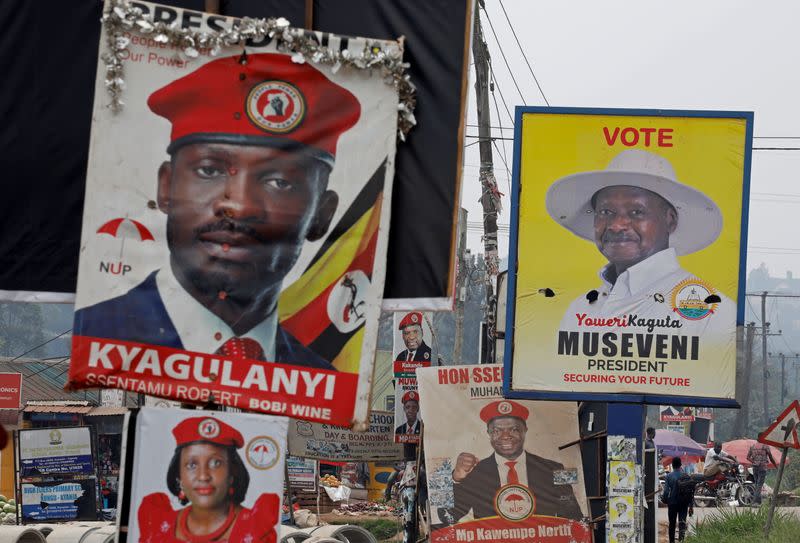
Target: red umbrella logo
x,y
515,498
124,227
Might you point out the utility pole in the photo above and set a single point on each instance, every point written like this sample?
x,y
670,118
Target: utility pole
x,y
764,327
743,421
490,195
784,384
783,377
461,278
764,333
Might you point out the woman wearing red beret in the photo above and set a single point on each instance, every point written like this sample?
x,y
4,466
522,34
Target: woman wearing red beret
x,y
210,480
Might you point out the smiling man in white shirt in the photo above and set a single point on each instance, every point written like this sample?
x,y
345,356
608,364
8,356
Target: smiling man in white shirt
x,y
641,219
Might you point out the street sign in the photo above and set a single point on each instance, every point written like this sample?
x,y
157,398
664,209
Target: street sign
x,y
783,432
10,390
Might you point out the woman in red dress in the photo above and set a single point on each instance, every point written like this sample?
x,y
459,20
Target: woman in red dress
x,y
210,480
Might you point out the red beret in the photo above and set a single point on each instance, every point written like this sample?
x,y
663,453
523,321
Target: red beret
x,y
504,408
207,429
415,317
410,395
270,100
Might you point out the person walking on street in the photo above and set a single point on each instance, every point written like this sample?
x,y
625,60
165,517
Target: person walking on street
x,y
760,455
677,504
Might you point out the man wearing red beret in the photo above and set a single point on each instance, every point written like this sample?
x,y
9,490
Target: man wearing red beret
x,y
475,482
410,427
416,348
252,146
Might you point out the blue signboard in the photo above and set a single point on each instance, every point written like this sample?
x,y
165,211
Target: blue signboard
x,y
56,451
73,500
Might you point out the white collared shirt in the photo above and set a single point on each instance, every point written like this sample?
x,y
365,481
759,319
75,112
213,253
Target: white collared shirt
x,y
411,429
201,330
645,290
520,467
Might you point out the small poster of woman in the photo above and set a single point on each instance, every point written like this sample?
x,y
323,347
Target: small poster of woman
x,y
220,482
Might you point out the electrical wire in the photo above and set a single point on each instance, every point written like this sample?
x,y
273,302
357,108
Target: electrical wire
x,y
505,164
472,136
753,311
502,53
497,109
535,79
502,97
41,345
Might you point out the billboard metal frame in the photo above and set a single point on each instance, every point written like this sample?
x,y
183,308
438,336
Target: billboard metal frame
x,y
508,390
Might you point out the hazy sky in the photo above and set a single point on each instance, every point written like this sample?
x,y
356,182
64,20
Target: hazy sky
x,y
723,55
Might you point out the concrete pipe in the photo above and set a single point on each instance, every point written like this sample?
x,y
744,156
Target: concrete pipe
x,y
103,535
345,533
70,533
20,534
289,534
44,528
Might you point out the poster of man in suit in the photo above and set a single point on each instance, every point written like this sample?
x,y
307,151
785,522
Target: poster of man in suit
x,y
413,338
500,467
235,225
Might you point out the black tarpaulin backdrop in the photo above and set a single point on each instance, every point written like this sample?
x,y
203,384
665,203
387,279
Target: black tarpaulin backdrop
x,y
49,52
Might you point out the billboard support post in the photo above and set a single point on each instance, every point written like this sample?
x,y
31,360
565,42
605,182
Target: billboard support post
x,y
626,419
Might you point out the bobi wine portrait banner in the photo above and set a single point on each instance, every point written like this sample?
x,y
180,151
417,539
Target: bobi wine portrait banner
x,y
628,237
235,225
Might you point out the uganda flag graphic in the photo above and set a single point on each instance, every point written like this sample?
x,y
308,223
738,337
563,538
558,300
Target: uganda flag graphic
x,y
324,308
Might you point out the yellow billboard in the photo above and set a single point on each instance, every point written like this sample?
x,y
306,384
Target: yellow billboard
x,y
627,254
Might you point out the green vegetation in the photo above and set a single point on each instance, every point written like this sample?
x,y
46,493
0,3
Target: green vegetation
x,y
746,526
791,473
381,528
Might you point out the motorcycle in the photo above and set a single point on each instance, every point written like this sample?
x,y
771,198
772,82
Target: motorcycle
x,y
729,487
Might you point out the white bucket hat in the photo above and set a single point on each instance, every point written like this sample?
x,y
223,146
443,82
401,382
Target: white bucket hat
x,y
568,200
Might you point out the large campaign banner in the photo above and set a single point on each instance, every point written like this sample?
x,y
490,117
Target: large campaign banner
x,y
211,464
236,216
44,452
340,444
498,474
641,219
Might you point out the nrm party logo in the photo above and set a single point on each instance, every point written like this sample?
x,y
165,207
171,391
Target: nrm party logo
x,y
694,299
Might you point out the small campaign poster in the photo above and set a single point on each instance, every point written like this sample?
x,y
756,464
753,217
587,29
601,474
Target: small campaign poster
x,y
497,474
341,444
235,222
208,464
621,448
414,344
672,413
407,419
644,214
621,525
44,452
621,478
302,473
58,501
